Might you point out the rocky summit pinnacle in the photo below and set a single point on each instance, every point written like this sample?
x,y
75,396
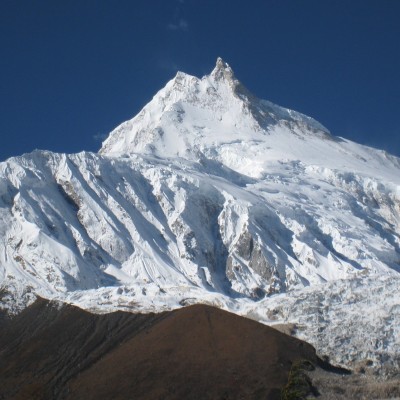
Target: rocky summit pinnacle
x,y
222,70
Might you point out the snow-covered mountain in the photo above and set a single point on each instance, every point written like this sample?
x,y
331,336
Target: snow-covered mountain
x,y
212,195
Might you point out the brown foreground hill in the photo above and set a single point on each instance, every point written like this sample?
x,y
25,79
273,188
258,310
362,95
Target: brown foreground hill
x,y
52,351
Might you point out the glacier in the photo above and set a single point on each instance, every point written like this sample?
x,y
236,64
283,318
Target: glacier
x,y
211,195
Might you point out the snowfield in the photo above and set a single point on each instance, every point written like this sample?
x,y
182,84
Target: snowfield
x,y
212,195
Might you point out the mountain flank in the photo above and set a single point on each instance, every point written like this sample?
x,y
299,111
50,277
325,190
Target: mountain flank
x,y
55,351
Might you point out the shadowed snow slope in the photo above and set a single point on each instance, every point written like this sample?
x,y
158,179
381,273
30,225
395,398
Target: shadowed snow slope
x,y
208,195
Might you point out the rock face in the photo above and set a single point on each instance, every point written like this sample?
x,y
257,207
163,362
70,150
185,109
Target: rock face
x,y
208,195
198,352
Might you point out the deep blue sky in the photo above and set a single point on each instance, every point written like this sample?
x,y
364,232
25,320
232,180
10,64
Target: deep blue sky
x,y
73,70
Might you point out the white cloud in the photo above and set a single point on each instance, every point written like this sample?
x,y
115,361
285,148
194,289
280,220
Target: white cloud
x,y
182,25
99,137
168,65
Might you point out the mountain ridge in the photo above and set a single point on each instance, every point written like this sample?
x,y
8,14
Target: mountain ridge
x,y
217,92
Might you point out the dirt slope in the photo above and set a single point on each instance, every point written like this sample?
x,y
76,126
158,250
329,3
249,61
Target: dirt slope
x,y
198,352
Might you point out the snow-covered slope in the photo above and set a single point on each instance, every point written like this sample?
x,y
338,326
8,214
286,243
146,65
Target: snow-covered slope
x,y
209,195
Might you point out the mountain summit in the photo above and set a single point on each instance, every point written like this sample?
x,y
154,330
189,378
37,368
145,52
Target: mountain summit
x,y
215,116
212,195
222,70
